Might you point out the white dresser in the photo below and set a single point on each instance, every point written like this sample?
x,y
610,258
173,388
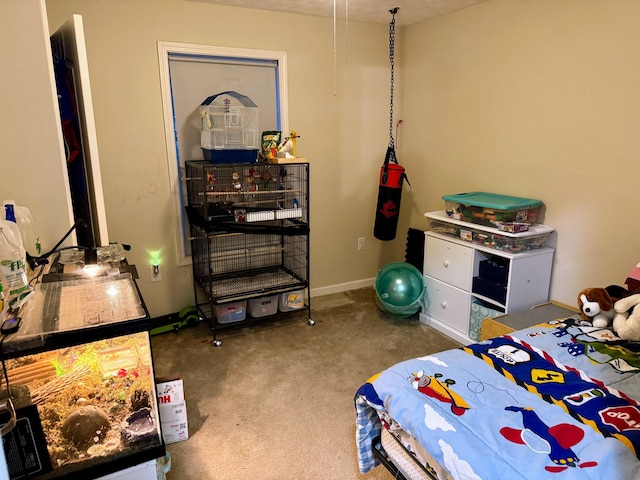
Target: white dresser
x,y
450,267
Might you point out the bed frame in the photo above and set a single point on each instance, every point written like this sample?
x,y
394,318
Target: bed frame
x,y
400,462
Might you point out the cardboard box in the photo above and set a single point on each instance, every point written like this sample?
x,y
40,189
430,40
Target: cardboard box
x,y
172,408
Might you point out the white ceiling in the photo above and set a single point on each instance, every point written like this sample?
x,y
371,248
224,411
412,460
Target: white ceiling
x,y
372,11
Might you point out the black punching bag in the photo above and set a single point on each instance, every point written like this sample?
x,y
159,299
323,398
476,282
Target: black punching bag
x,y
392,176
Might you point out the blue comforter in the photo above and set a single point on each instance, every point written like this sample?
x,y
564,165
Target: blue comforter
x,y
552,401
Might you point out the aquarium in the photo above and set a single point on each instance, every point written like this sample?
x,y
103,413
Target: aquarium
x,y
95,402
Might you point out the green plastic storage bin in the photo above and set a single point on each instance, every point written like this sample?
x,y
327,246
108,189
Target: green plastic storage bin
x,y
491,208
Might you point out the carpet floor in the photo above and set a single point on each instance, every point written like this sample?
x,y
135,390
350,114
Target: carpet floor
x,y
275,401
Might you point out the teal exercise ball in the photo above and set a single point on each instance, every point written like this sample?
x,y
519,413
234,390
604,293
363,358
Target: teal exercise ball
x,y
399,289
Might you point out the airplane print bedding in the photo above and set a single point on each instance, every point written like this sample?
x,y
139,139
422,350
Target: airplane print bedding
x,y
557,400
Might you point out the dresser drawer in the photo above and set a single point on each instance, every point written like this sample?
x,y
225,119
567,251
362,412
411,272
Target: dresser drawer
x,y
449,262
448,304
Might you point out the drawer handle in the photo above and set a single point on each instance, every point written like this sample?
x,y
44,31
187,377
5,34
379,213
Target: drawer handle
x,y
443,305
446,264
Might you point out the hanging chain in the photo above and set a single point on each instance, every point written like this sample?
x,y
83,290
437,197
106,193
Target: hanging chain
x,y
392,39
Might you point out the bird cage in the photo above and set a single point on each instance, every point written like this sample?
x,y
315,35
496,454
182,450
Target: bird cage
x,y
229,128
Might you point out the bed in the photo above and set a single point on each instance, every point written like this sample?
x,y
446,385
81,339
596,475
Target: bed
x,y
557,400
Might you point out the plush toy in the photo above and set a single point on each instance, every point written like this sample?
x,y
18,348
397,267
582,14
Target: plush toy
x,y
626,321
596,304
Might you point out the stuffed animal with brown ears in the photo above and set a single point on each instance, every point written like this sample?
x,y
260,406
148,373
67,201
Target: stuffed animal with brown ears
x,y
596,304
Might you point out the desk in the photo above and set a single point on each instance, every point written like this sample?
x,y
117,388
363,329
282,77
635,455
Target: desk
x,y
505,324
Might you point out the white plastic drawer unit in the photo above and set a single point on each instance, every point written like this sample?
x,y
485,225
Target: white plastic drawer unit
x,y
449,262
448,304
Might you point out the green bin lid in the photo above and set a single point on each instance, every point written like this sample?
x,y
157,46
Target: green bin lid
x,y
492,200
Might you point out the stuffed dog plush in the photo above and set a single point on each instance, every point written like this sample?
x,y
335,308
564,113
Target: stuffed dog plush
x,y
596,304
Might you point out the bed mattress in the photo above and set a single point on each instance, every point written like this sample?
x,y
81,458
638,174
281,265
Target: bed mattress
x,y
555,400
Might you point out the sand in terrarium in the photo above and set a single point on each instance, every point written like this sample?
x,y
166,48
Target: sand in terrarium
x,y
94,400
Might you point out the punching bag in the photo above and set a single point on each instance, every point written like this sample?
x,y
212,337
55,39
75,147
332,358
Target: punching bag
x,y
392,176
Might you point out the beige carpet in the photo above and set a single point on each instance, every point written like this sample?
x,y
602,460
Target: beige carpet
x,y
276,402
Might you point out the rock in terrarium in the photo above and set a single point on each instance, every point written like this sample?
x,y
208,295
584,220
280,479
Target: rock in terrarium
x,y
86,426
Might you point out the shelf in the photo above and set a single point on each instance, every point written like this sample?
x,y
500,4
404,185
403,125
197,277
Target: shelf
x,y
288,161
489,239
226,224
534,230
249,284
500,306
243,193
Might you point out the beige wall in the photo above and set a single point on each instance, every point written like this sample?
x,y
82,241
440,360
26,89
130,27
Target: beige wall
x,y
536,99
32,152
344,136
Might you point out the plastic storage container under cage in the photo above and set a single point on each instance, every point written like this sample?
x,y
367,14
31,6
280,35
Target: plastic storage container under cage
x,y
229,128
290,301
263,306
231,312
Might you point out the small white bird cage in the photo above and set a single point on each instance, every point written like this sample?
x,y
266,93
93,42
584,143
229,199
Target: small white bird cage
x,y
229,121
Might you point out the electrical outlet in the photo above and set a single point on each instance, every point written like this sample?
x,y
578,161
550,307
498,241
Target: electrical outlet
x,y
361,243
156,273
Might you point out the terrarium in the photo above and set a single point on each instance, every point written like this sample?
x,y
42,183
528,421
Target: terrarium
x,y
95,402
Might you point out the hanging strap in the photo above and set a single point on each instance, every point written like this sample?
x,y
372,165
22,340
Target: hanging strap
x,y
389,157
391,152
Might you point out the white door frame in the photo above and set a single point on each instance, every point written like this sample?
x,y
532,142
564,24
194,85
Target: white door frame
x,y
72,31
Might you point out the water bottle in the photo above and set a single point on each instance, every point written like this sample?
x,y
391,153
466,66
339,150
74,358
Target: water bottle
x,y
13,273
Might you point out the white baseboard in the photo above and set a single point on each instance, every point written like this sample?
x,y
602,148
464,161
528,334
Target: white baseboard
x,y
444,328
342,287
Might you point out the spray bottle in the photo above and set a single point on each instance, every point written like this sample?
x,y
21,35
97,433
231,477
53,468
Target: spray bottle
x,y
13,274
21,216
12,232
